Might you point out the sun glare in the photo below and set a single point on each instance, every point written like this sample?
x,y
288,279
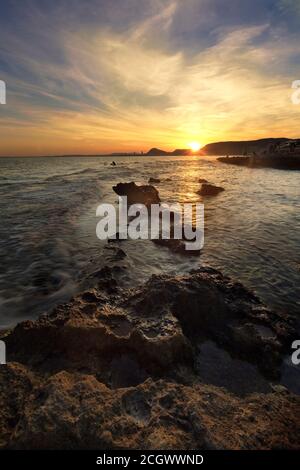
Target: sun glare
x,y
195,146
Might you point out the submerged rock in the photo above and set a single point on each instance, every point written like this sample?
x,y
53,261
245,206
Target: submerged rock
x,y
153,180
176,246
117,253
132,368
145,194
210,190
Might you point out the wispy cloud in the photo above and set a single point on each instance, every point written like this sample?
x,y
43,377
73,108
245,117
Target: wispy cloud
x,y
86,86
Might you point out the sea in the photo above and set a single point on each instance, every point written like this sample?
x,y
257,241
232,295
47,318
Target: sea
x,y
48,244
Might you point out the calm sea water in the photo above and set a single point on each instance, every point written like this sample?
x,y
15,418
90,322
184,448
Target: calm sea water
x,y
49,248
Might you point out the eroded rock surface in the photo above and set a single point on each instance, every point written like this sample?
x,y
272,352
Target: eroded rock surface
x,y
134,368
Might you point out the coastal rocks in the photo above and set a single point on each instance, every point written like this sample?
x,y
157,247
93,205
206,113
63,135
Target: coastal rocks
x,y
149,195
241,161
273,160
209,306
72,411
16,384
145,194
134,368
210,190
93,330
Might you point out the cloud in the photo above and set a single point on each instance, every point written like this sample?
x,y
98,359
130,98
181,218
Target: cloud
x,y
83,84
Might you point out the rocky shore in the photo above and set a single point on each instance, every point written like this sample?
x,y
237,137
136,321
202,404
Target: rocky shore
x,y
183,362
276,161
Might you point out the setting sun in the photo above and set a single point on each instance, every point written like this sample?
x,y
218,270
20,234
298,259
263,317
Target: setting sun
x,y
195,146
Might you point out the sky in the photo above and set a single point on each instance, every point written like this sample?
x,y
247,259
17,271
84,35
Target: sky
x,y
100,76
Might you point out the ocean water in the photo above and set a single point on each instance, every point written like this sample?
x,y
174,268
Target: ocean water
x,y
48,244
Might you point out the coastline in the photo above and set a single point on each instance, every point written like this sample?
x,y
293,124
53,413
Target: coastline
x,y
278,162
181,361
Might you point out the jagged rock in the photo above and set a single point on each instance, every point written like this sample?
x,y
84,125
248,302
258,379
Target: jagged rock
x,y
145,194
132,368
210,190
71,411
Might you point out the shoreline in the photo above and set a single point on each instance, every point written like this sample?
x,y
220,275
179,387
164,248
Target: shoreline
x,y
277,162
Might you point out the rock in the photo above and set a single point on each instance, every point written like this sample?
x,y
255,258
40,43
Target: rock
x,y
117,253
133,368
145,194
272,160
242,161
16,384
153,180
210,190
202,180
176,246
72,411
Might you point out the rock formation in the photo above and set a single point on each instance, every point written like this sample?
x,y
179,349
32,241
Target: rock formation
x,y
145,194
210,190
154,367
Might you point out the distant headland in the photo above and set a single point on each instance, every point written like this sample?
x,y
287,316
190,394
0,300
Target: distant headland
x,y
257,147
243,147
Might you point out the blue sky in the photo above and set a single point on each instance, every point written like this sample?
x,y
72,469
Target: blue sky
x,y
104,75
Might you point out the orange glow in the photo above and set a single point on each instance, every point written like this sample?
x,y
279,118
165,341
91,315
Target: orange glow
x,y
195,146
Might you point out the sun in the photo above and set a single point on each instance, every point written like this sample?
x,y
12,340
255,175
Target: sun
x,y
195,146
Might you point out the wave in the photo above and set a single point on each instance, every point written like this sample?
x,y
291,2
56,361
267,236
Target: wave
x,y
75,173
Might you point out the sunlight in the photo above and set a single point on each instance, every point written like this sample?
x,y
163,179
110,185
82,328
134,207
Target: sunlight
x,y
195,146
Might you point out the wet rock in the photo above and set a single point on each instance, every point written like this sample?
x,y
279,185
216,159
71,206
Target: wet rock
x,y
105,279
176,246
117,253
145,194
210,190
216,366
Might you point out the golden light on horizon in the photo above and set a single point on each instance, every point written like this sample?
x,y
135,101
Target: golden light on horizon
x,y
195,146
